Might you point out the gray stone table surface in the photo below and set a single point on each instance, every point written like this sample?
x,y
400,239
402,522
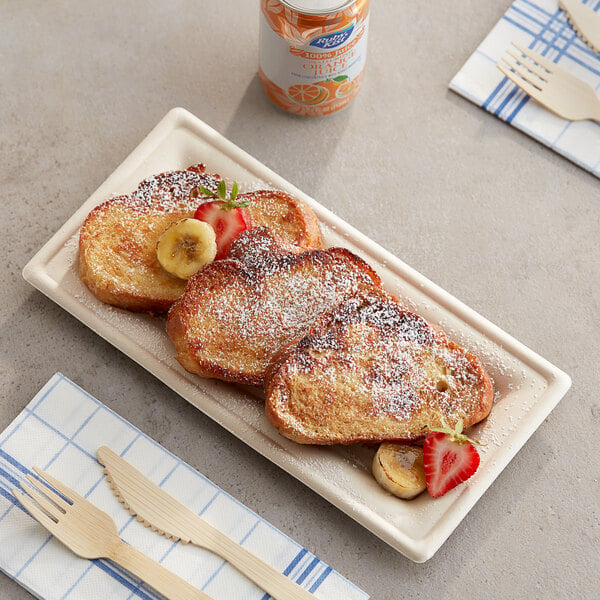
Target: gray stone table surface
x,y
501,222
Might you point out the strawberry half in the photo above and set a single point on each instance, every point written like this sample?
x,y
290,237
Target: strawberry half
x,y
226,216
449,458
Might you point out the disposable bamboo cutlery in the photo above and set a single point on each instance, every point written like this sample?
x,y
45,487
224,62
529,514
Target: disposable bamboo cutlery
x,y
91,533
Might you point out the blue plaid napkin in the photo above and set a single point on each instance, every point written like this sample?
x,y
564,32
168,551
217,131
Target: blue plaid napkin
x,y
542,26
60,431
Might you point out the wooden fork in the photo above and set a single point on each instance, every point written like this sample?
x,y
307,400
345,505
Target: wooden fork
x,y
90,533
560,92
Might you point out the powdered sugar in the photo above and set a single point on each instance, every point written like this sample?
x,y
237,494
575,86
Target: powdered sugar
x,y
169,191
263,303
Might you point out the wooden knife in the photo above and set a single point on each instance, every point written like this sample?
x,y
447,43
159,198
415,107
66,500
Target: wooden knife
x,y
585,21
167,516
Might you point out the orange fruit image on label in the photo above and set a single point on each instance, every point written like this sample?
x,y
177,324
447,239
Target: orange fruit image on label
x,y
329,105
308,94
344,89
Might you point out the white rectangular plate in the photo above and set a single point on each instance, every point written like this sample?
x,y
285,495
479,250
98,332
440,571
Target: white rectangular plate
x,y
527,386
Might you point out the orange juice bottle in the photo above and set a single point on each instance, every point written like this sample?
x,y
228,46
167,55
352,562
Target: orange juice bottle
x,y
312,53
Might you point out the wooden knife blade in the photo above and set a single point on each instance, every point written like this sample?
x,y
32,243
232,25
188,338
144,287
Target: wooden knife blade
x,y
585,20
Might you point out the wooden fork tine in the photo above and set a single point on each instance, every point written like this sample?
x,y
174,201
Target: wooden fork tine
x,y
535,57
527,64
520,82
523,72
67,492
47,492
43,502
36,512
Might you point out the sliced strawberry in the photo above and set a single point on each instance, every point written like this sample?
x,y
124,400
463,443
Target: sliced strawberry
x,y
449,458
228,222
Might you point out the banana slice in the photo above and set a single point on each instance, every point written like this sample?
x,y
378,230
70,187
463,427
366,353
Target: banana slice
x,y
186,246
399,469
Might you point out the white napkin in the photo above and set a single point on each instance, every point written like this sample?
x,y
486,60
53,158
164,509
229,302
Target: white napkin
x,y
542,26
60,431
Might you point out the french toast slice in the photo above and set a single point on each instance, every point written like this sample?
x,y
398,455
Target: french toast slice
x,y
117,242
372,371
234,315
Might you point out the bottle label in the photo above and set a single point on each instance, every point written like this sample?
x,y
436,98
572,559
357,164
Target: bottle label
x,y
314,71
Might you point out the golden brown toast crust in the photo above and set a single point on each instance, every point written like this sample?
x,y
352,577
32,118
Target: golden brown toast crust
x,y
233,317
372,371
117,243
